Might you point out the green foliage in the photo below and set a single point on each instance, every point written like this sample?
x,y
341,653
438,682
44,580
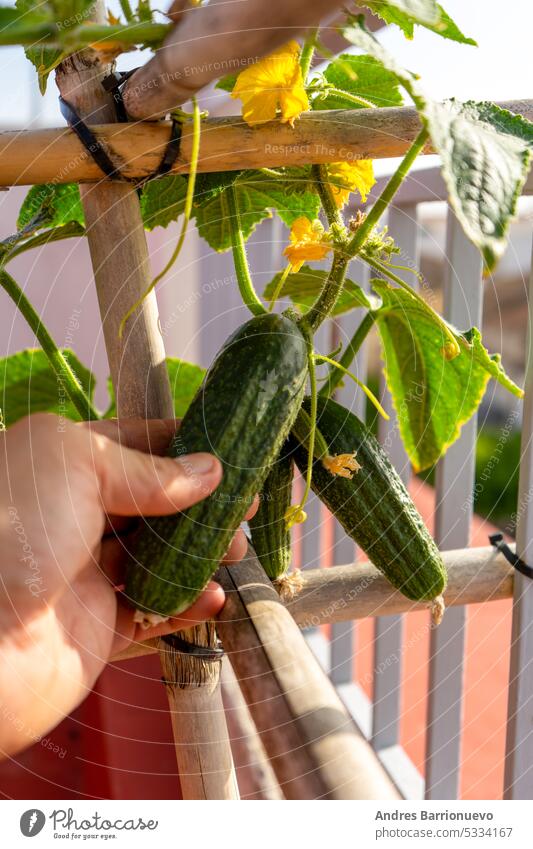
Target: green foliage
x,y
22,241
163,200
433,396
405,16
485,153
50,205
417,11
29,385
357,34
305,285
363,76
185,380
227,83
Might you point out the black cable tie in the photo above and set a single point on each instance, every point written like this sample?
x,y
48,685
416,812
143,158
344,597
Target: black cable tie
x,y
113,83
184,647
89,140
498,542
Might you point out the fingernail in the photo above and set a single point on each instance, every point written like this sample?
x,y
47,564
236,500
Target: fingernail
x,y
198,464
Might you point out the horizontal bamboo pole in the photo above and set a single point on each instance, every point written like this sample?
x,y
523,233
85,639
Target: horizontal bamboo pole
x,y
312,744
57,156
357,591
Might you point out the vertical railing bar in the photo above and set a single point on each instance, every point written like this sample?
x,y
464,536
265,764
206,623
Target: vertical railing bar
x,y
518,779
463,301
344,550
388,633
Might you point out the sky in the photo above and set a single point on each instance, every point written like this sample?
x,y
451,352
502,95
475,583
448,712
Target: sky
x,y
499,69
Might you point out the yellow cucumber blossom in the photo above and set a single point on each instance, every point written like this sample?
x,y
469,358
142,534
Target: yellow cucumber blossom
x,y
274,83
295,515
341,465
309,241
348,177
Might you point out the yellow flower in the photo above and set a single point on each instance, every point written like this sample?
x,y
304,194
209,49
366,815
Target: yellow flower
x,y
273,83
341,465
347,177
308,242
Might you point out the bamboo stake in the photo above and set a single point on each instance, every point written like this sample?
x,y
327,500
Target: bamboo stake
x,y
119,256
57,156
357,591
312,743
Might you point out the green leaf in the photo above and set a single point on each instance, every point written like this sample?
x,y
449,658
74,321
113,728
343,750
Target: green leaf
x,y
362,76
280,194
185,380
419,11
29,385
393,13
485,157
213,223
227,83
305,285
209,184
357,34
19,242
51,205
163,200
433,396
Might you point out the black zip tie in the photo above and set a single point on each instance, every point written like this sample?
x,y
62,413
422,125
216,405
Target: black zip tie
x,y
89,140
113,83
498,542
184,647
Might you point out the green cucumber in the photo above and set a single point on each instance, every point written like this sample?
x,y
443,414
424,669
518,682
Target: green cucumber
x,y
242,413
271,538
374,506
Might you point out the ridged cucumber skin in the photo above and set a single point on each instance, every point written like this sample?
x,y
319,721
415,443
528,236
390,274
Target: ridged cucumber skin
x,y
374,507
242,413
270,537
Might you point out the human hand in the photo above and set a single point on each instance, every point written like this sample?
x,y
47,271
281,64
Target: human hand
x,y
69,495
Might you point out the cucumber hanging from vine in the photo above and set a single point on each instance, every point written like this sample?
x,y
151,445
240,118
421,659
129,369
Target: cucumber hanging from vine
x,y
242,413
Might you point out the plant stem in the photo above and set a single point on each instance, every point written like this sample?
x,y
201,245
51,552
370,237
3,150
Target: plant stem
x,y
368,392
56,359
360,236
352,98
335,375
279,287
329,295
312,416
308,50
320,176
127,11
244,280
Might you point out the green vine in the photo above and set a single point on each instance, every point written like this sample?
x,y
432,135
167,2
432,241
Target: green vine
x,y
57,360
244,280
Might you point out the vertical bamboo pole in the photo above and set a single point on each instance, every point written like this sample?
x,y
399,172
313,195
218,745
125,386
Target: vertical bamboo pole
x,y
120,262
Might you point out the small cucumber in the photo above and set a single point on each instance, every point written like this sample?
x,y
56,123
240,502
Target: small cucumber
x,y
372,504
271,538
242,413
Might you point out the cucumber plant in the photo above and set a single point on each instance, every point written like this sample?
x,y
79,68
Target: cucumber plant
x,y
436,373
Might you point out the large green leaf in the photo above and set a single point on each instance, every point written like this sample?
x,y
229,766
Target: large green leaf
x,y
433,396
357,34
185,380
29,385
485,153
363,76
305,285
393,13
419,11
43,58
163,200
257,194
50,205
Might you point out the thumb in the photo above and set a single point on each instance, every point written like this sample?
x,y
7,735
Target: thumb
x,y
134,483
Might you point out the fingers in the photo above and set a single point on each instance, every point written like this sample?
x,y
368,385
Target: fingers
x,y
133,483
149,435
205,607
